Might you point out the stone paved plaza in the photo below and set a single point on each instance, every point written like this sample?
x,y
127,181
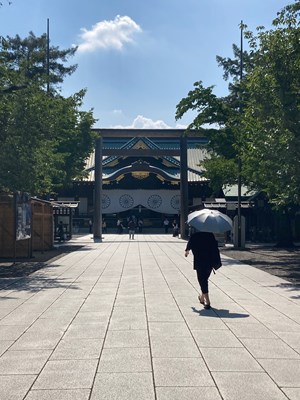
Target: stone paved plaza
x,y
121,320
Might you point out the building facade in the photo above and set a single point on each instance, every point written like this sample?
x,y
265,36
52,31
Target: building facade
x,y
146,187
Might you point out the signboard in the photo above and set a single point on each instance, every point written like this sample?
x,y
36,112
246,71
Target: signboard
x,y
23,216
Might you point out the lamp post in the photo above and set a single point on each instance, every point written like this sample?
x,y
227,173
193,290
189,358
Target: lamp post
x,y
239,219
48,57
98,191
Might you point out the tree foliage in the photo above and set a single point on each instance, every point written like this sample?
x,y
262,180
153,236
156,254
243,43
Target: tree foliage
x,y
7,2
45,138
271,137
27,61
258,121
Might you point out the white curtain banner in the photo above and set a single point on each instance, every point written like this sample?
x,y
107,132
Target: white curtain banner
x,y
162,201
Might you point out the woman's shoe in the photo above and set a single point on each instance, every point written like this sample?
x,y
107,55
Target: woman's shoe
x,y
207,306
201,301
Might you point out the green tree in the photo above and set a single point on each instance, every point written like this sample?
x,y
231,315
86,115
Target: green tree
x,y
27,59
265,135
261,124
45,137
271,137
221,117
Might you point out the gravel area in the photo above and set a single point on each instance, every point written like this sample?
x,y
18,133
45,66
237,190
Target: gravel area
x,y
284,263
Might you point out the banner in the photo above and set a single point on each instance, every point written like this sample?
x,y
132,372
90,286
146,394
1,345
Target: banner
x,y
23,216
161,201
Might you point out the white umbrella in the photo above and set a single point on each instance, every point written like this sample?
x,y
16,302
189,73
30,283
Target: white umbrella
x,y
207,220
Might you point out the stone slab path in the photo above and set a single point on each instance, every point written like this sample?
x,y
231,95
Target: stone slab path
x,y
120,320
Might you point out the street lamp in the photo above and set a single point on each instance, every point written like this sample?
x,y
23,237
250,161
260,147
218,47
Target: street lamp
x,y
239,219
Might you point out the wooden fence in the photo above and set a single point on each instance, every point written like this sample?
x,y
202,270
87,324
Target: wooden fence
x,y
41,228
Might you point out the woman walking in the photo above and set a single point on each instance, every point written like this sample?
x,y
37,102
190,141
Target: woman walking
x,y
206,257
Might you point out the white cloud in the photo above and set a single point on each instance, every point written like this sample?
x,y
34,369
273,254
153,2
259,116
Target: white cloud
x,y
181,126
109,34
117,112
141,122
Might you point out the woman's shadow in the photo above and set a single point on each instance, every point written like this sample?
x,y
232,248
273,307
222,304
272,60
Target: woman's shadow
x,y
218,313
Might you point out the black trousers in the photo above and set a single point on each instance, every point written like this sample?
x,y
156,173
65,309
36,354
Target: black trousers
x,y
203,274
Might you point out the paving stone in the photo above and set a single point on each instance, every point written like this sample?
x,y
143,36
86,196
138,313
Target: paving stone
x,y
91,316
269,348
282,325
72,349
123,320
23,362
169,306
133,308
4,312
169,347
216,338
96,305
15,387
28,306
123,386
59,319
51,324
36,340
4,345
127,338
77,394
247,386
186,301
163,299
95,330
148,277
59,313
11,332
187,393
203,322
292,339
135,294
256,330
168,329
70,305
229,359
181,372
130,301
286,373
125,360
67,374
164,316
292,393
19,318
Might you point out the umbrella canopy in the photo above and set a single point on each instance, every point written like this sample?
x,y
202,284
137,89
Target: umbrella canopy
x,y
207,220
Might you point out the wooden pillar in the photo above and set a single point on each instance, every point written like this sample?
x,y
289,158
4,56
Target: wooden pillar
x,y
97,223
184,198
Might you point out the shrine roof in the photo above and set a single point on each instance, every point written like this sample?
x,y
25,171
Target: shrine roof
x,y
196,153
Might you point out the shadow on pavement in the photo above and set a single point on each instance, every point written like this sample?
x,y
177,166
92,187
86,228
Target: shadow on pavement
x,y
218,313
37,283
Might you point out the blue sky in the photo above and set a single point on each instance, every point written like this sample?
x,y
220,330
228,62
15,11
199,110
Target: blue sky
x,y
138,59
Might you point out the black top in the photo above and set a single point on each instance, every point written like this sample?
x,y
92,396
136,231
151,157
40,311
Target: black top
x,y
205,250
131,225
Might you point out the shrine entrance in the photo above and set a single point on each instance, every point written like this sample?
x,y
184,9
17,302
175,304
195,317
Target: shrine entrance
x,y
180,135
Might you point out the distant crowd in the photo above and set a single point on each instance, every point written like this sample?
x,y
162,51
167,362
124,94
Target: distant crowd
x,y
134,224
